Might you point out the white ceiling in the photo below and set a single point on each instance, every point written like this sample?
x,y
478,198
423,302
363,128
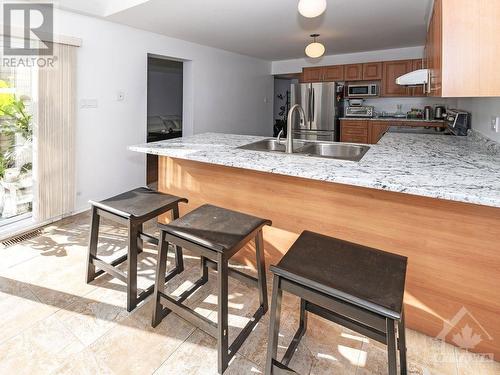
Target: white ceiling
x,y
274,30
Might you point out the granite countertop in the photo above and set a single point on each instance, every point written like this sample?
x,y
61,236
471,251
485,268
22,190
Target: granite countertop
x,y
464,169
390,119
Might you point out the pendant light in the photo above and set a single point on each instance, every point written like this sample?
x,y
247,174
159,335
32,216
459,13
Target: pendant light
x,y
315,49
312,8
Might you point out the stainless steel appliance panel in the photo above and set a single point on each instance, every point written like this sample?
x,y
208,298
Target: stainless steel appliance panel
x,y
323,106
315,135
300,94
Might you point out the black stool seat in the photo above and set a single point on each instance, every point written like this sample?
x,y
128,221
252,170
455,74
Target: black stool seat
x,y
216,234
358,287
140,203
366,277
215,228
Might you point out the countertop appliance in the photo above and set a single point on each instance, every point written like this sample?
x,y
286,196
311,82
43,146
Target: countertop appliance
x,y
323,106
359,111
362,90
439,112
427,113
458,122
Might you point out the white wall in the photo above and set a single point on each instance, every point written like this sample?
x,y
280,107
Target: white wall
x,y
482,109
296,65
223,92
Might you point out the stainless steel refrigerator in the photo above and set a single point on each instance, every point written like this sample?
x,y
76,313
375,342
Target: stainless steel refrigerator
x,y
322,104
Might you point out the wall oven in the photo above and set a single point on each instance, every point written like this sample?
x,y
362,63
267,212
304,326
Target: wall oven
x,y
362,90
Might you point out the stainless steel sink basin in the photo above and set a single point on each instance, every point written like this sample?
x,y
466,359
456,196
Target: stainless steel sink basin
x,y
330,150
335,151
272,145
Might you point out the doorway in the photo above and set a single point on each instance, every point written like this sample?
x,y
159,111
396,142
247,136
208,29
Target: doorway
x,y
164,109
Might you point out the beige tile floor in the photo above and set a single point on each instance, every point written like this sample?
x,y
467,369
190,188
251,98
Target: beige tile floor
x,y
52,322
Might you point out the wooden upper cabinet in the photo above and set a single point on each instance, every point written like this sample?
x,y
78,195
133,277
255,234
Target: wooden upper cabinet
x,y
372,71
333,73
391,71
463,48
353,72
323,74
312,74
433,49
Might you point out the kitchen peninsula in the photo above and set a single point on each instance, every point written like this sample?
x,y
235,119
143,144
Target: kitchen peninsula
x,y
432,198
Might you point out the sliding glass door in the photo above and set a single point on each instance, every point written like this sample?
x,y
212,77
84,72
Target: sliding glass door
x,y
17,107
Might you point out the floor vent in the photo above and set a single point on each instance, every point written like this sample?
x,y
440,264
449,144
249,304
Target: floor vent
x,y
23,237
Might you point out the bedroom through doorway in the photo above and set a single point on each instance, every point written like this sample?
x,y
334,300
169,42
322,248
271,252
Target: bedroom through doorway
x,y
165,91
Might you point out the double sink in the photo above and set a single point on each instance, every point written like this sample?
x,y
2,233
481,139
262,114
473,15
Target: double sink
x,y
330,150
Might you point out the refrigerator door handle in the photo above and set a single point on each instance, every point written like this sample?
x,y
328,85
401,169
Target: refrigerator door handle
x,y
309,97
313,107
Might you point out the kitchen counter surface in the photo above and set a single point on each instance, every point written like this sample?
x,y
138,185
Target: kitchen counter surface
x,y
393,119
464,169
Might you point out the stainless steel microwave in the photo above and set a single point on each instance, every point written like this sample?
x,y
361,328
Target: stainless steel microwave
x,y
357,91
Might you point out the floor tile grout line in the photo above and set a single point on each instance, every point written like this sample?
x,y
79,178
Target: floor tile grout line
x,y
194,329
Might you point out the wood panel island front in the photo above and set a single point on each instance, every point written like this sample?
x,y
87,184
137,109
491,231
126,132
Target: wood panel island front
x,y
447,226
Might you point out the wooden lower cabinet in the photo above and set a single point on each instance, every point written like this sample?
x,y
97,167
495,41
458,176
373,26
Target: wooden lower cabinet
x,y
450,267
354,131
393,70
371,131
376,130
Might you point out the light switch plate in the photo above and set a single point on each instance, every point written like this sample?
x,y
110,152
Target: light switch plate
x,y
89,103
120,96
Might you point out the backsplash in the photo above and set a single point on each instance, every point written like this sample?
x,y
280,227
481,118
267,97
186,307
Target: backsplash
x,y
390,104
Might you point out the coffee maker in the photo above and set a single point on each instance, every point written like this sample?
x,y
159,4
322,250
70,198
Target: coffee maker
x,y
439,112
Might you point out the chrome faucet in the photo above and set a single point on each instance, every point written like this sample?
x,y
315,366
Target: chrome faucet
x,y
280,134
289,130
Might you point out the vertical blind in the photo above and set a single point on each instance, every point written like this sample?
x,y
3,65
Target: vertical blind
x,y
55,137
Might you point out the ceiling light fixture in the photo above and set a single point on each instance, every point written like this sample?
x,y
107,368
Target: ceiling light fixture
x,y
312,8
315,49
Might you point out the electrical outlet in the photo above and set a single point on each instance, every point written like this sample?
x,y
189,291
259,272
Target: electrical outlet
x,y
495,124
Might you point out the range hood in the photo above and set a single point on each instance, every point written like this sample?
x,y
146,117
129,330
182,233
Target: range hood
x,y
417,77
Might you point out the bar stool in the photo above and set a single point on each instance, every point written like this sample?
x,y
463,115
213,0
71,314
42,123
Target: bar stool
x,y
216,234
352,285
132,208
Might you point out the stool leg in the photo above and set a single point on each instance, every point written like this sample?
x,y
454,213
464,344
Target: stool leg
x,y
391,347
402,344
93,239
222,313
203,269
133,233
140,242
261,267
179,261
303,316
274,326
161,271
